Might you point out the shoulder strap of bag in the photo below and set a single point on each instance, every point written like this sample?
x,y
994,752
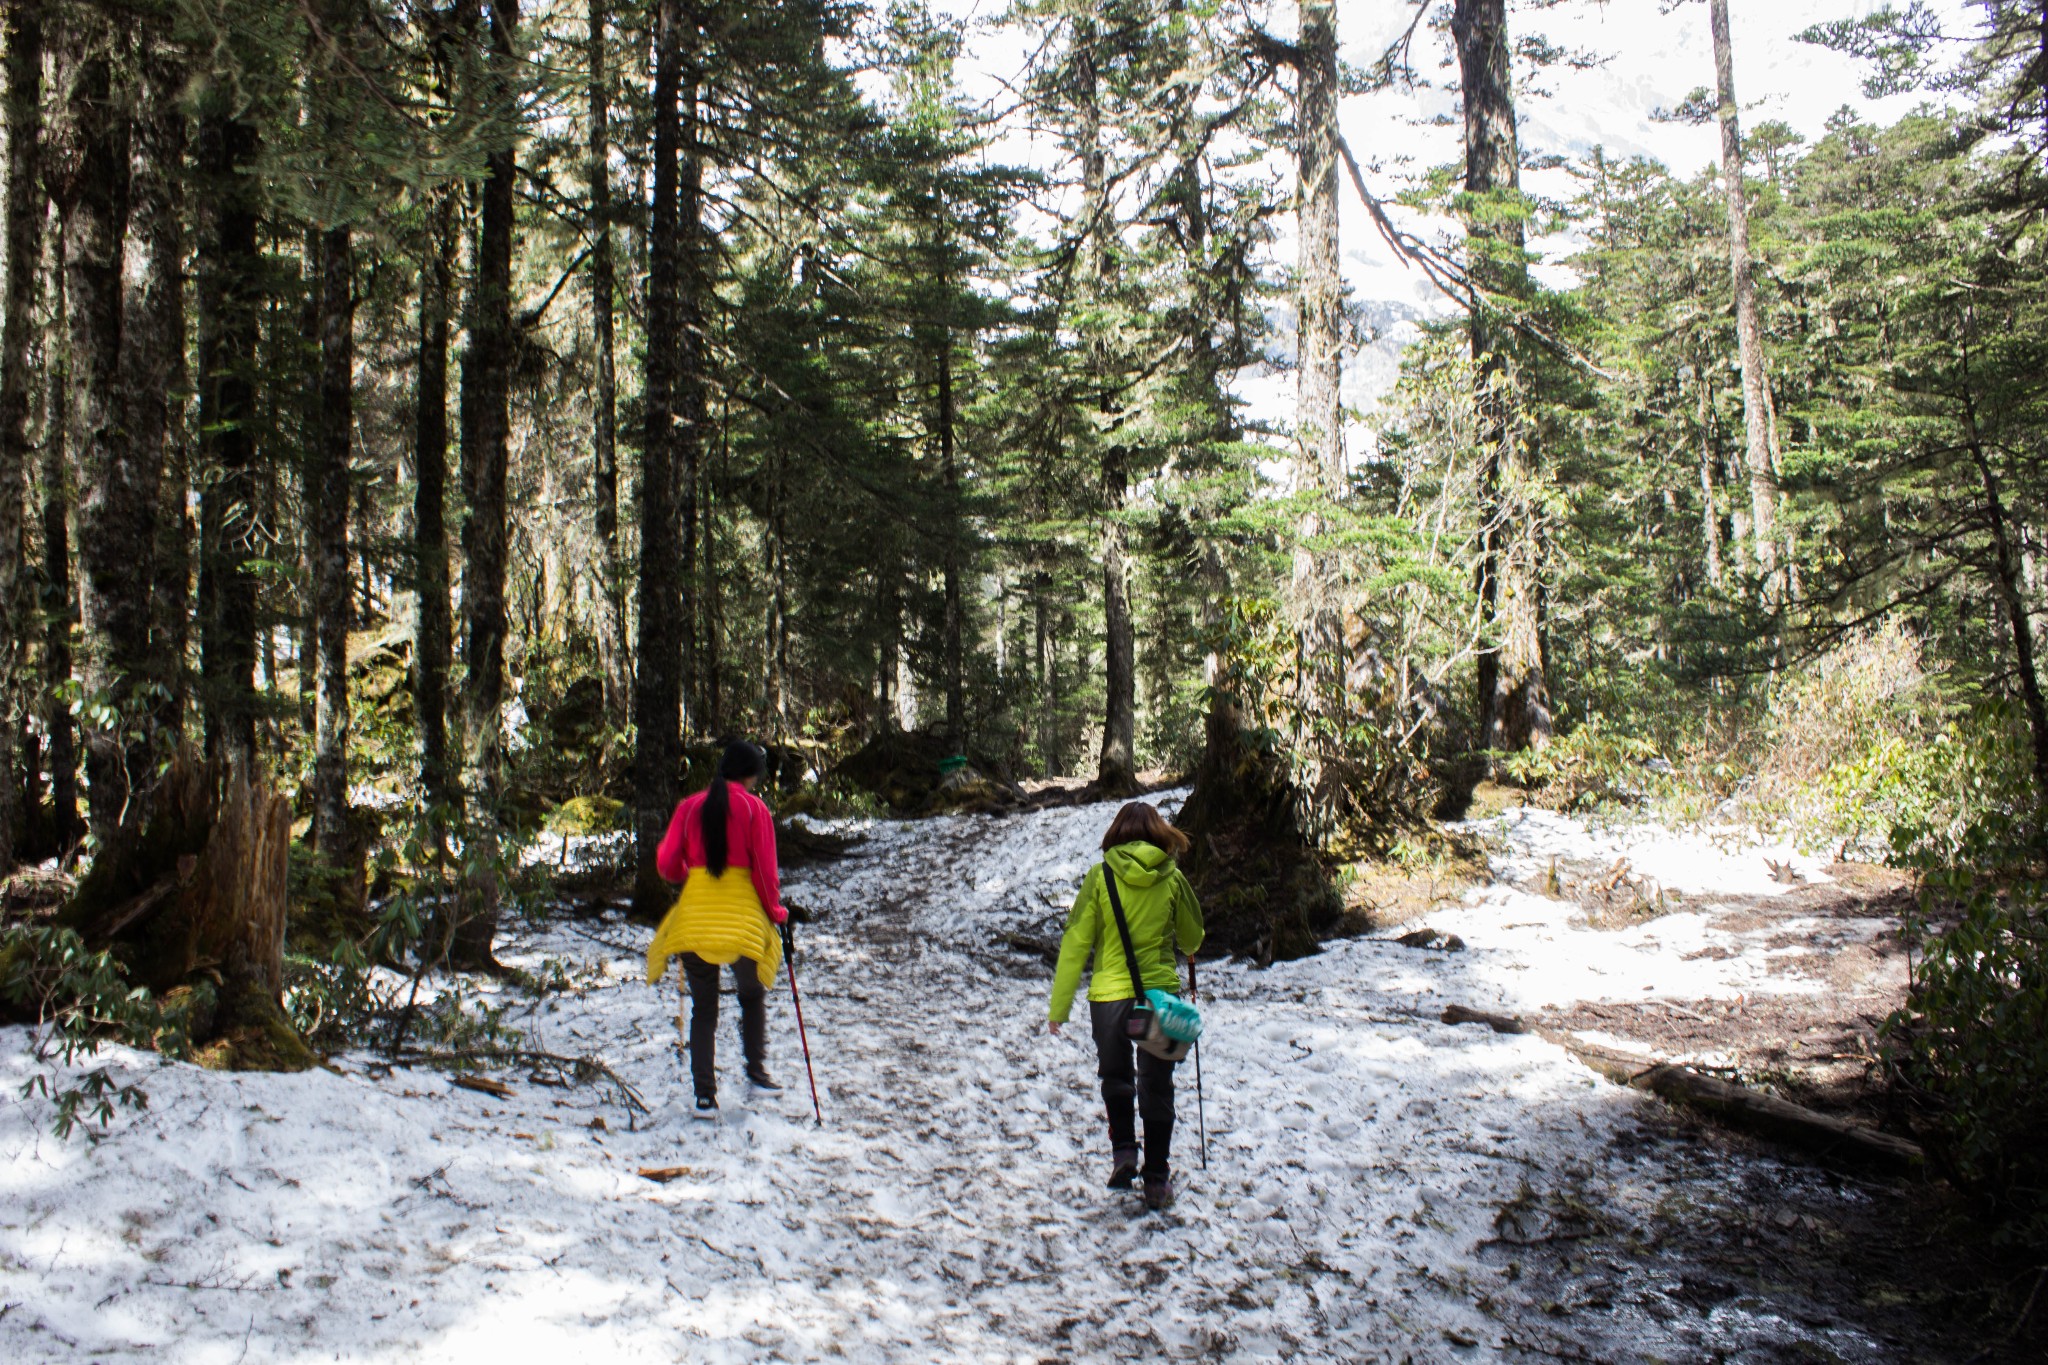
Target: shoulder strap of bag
x,y
1123,929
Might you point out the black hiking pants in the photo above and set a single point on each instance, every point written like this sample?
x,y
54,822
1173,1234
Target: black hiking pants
x,y
1146,1087
702,979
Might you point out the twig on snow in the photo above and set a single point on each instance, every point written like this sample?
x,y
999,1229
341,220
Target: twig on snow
x,y
585,1069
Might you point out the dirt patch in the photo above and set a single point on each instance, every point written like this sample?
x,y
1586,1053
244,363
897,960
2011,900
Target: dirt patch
x,y
1817,1050
1381,896
1854,891
1045,793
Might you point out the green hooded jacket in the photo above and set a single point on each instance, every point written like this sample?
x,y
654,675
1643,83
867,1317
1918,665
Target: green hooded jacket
x,y
1158,903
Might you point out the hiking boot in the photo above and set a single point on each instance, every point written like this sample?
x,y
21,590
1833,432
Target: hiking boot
x,y
758,1077
707,1106
1158,1191
1123,1167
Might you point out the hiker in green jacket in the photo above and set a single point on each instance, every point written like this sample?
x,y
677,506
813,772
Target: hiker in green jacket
x,y
1160,908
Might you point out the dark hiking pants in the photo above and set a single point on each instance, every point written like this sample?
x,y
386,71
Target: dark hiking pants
x,y
702,979
1147,1087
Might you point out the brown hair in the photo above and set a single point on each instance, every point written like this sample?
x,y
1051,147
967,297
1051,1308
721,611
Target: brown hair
x,y
1141,820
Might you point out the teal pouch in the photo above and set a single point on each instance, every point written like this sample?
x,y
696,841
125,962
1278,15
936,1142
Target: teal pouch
x,y
1178,1019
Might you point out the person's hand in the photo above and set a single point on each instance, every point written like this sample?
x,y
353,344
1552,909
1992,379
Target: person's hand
x,y
778,914
1052,1026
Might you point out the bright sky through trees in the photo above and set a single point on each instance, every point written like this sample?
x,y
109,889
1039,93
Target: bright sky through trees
x,y
1650,61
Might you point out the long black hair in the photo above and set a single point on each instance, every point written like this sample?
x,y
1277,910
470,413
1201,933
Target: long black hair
x,y
740,761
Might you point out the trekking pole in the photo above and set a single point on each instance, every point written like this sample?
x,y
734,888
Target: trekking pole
x,y
789,945
1201,1120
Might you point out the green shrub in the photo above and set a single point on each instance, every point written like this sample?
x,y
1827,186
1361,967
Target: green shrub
x,y
1969,1049
582,815
1867,746
79,999
1917,793
1591,764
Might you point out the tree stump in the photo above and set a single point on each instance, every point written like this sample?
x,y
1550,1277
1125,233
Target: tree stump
x,y
193,907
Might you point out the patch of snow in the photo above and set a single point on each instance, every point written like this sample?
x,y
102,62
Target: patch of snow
x,y
1614,1042
1728,860
950,1208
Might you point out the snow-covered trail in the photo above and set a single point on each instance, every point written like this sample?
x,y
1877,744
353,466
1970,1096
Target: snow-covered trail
x,y
1365,1162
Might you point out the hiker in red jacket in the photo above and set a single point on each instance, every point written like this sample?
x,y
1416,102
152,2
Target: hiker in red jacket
x,y
721,846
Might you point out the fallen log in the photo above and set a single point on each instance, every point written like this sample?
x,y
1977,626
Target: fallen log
x,y
1737,1106
484,1084
1499,1023
1821,1134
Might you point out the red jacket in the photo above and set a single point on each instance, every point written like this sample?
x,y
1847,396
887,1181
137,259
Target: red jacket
x,y
749,843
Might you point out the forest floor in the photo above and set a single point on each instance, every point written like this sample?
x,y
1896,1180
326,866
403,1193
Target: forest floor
x,y
1379,1185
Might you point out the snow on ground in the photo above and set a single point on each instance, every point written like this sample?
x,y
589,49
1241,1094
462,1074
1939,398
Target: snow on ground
x,y
1361,1155
1531,951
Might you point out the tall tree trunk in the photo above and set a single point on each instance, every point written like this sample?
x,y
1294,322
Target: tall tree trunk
x,y
775,698
25,208
656,681
1514,695
1710,512
1116,771
1763,482
711,611
1046,668
431,632
307,356
1223,722
171,623
327,508
430,505
1319,393
1116,765
604,433
58,601
486,417
1319,414
118,482
954,627
153,358
230,275
691,408
888,613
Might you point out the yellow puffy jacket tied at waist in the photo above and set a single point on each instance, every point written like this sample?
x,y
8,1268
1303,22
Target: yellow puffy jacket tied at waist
x,y
720,920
